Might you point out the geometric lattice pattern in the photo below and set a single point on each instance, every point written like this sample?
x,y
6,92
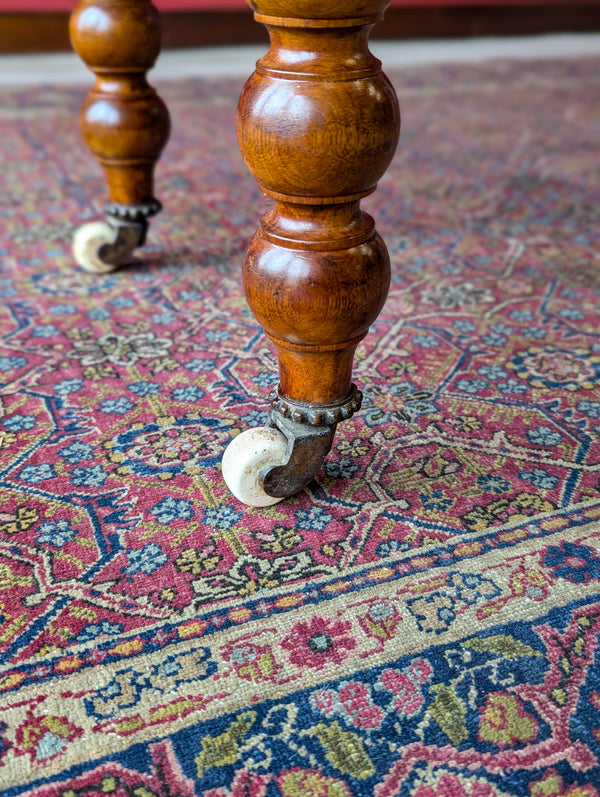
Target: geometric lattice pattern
x,y
422,619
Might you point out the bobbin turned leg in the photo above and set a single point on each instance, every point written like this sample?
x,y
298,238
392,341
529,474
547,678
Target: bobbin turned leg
x,y
318,124
124,123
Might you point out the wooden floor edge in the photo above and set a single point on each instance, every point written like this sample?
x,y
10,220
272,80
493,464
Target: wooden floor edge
x,y
48,32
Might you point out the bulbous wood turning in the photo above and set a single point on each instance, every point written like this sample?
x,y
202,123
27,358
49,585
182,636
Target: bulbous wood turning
x,y
318,124
123,120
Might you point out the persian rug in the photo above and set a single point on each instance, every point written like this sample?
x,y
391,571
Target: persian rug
x,y
423,620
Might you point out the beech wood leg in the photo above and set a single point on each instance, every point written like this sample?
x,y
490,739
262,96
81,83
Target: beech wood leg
x,y
124,123
318,124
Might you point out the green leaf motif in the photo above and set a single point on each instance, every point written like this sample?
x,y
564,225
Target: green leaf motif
x,y
501,645
345,751
449,711
221,750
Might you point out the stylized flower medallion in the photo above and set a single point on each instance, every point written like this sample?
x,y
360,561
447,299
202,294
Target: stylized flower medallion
x,y
558,368
168,446
319,642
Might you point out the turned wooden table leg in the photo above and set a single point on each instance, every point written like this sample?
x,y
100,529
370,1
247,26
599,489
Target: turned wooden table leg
x,y
124,123
318,124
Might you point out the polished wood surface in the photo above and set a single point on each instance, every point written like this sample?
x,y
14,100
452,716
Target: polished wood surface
x,y
123,120
318,124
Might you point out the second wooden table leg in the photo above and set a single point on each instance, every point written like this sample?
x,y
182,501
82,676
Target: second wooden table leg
x,y
318,124
123,121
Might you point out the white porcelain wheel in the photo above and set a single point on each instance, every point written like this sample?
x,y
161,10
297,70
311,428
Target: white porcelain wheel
x,y
244,459
98,247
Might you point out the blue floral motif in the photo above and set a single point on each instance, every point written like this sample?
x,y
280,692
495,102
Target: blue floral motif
x,y
46,331
34,474
391,546
217,335
16,423
544,436
534,332
222,518
491,483
576,563
471,385
12,363
512,386
32,261
436,500
493,339
242,654
76,452
436,611
571,314
464,326
254,418
95,630
146,560
425,341
314,518
197,365
187,393
6,288
492,372
118,406
540,478
122,302
144,389
416,264
522,315
98,314
189,296
590,408
265,379
344,468
170,509
56,533
163,318
168,668
63,309
88,477
50,745
451,268
68,386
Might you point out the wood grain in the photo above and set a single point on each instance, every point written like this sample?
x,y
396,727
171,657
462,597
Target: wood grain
x,y
318,124
123,120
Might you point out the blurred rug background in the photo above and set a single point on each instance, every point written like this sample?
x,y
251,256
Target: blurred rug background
x,y
423,619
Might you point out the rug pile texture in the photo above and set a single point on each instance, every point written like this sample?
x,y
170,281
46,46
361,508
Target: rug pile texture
x,y
423,620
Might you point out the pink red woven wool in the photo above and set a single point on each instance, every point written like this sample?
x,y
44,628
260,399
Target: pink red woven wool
x,y
423,619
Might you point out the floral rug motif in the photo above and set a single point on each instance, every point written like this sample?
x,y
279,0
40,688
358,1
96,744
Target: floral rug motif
x,y
423,620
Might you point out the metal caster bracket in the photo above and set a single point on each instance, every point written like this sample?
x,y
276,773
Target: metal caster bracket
x,y
309,432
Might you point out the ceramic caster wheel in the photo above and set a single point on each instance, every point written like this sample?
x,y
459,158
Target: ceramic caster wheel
x,y
99,247
246,456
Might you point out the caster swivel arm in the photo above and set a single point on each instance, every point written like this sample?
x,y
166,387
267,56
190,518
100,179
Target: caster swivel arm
x,y
318,124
